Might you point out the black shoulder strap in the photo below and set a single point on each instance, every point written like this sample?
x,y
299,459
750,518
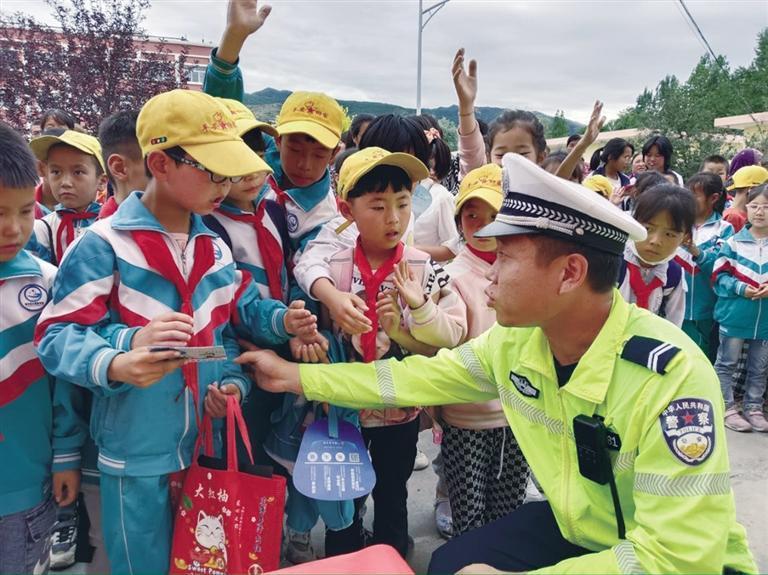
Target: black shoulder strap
x,y
674,277
651,353
278,215
215,226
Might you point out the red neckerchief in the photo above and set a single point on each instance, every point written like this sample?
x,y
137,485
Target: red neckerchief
x,y
269,248
489,257
67,227
641,290
159,258
109,208
280,195
372,282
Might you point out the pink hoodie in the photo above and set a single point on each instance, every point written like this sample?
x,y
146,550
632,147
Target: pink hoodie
x,y
467,273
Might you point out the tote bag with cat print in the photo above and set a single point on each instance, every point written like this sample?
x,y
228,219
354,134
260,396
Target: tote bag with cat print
x,y
228,520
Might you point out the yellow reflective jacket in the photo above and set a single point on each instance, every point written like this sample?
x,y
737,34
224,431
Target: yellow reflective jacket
x,y
655,390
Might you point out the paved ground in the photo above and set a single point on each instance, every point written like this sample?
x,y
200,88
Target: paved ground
x,y
749,475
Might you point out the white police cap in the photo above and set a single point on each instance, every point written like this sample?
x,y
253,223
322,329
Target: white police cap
x,y
537,202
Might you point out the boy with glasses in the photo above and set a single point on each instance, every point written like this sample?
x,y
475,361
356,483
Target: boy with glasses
x,y
153,257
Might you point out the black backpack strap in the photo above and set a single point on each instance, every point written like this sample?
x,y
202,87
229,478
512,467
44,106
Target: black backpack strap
x,y
674,277
278,216
215,226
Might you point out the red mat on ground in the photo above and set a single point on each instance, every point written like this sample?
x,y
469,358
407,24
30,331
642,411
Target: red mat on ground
x,y
375,560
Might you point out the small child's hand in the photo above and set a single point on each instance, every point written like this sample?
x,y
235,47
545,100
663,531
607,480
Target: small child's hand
x,y
66,486
299,321
410,289
389,313
244,17
141,367
348,312
465,84
751,292
216,399
309,351
168,329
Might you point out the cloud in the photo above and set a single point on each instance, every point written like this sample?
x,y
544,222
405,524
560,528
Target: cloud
x,y
543,55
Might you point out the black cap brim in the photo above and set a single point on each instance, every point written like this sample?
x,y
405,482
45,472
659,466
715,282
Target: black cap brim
x,y
498,229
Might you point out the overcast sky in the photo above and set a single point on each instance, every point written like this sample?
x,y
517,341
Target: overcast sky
x,y
538,55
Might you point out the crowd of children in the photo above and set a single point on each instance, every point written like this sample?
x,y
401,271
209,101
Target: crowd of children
x,y
219,229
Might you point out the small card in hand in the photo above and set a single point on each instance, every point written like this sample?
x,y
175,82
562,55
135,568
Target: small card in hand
x,y
210,353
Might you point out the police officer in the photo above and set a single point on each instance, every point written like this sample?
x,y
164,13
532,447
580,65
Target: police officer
x,y
618,413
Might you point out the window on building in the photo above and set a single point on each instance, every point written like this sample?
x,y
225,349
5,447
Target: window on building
x,y
196,74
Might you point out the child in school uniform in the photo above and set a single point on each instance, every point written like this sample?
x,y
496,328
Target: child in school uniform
x,y
401,287
76,174
485,470
152,259
41,435
122,158
650,276
697,257
741,284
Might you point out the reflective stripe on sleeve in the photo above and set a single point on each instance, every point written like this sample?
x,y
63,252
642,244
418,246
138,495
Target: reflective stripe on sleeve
x,y
385,382
472,365
685,486
624,461
532,414
626,558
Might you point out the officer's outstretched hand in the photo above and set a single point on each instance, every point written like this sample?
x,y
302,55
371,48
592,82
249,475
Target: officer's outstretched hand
x,y
269,371
481,568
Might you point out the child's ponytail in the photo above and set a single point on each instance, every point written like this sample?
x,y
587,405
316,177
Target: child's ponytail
x,y
710,184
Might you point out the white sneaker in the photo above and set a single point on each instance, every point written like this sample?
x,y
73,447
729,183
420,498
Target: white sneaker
x,y
298,547
421,461
64,542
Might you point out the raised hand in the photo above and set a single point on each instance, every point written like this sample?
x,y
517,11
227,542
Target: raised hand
x,y
410,289
465,82
244,17
389,312
596,121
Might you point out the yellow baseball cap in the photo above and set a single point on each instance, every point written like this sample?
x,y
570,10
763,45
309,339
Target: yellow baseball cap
x,y
200,124
314,114
362,162
747,177
599,184
245,120
83,142
483,183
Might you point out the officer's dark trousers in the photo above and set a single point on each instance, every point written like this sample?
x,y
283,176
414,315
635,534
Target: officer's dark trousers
x,y
526,539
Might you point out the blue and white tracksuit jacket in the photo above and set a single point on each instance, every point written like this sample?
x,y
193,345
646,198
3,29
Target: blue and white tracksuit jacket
x,y
709,237
742,262
38,424
43,240
104,292
241,238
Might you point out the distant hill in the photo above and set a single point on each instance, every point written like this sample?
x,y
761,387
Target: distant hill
x,y
266,105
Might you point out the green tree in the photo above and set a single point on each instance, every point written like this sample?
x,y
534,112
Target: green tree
x,y
685,111
558,127
88,66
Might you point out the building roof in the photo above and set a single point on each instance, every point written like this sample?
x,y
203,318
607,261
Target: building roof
x,y
743,121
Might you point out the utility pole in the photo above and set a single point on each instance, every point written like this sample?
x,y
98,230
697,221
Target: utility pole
x,y
429,13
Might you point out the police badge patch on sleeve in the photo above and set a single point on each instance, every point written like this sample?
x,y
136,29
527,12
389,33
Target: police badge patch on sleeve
x,y
688,430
